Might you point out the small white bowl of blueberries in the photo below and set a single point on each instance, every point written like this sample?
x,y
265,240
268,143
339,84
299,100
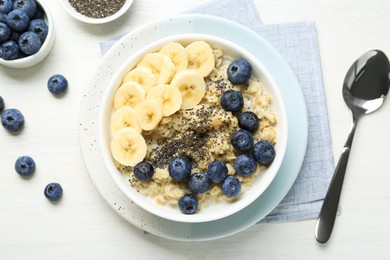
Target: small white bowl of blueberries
x,y
26,32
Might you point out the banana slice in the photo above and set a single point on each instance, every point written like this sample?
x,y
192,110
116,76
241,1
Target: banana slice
x,y
192,87
160,64
149,114
168,96
177,53
130,94
124,117
143,76
128,147
200,57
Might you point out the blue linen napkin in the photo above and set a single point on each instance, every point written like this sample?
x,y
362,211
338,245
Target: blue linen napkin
x,y
297,43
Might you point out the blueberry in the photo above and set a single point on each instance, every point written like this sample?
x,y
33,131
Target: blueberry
x,y
188,204
248,121
3,18
10,50
242,140
18,20
25,165
5,32
231,186
57,84
217,171
232,100
39,13
2,105
29,43
143,171
12,120
239,71
53,191
39,27
264,152
179,169
245,165
199,183
29,6
5,6
15,36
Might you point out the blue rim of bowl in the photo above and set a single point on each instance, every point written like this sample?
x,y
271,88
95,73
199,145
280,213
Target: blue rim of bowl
x,y
214,229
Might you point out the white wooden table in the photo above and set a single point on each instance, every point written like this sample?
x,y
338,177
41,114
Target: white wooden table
x,y
83,225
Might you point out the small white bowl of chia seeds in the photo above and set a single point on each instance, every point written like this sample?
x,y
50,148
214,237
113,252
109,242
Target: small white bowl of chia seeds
x,y
96,11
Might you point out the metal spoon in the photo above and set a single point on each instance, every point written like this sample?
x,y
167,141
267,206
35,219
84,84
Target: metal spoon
x,y
365,87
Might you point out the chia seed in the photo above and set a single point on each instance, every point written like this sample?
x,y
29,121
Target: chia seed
x,y
97,8
190,144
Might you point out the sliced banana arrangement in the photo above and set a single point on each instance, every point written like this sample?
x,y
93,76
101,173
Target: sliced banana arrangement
x,y
161,84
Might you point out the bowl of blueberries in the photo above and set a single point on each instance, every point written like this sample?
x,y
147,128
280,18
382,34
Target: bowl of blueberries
x,y
26,32
210,166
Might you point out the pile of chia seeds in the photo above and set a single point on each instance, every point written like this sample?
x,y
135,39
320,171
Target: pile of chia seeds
x,y
97,8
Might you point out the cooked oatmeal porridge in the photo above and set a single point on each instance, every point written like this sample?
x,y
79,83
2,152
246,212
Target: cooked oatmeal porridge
x,y
200,131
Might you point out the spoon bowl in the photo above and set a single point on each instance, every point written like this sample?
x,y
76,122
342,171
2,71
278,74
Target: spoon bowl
x,y
365,88
366,83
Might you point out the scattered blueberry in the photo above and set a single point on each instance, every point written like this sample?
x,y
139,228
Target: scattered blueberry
x,y
143,171
245,165
12,120
232,100
179,169
5,32
2,105
239,71
25,165
57,84
39,27
5,6
217,171
18,20
53,191
199,183
248,121
29,6
29,43
242,140
9,50
264,152
231,186
188,204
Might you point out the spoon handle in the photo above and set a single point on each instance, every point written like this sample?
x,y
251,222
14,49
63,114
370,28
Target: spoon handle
x,y
328,211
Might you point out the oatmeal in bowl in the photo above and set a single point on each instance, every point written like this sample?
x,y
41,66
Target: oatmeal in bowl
x,y
192,128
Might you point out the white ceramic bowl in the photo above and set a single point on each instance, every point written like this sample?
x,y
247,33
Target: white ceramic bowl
x,y
69,8
45,48
214,211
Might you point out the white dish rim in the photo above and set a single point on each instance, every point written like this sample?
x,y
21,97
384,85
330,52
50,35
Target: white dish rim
x,y
147,222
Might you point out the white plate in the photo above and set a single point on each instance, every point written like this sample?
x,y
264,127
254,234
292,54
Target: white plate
x,y
297,127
